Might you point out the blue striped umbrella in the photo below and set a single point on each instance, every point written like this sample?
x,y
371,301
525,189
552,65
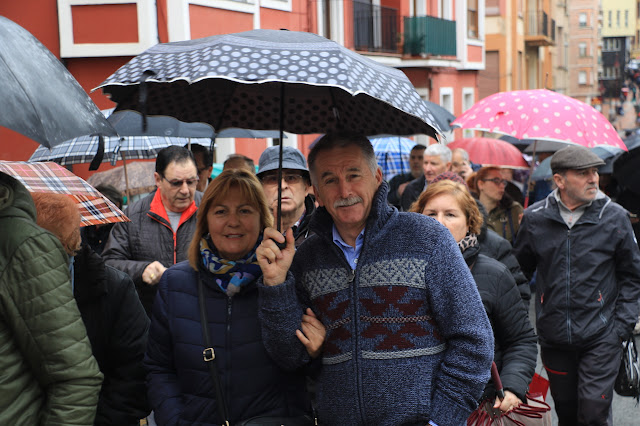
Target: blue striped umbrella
x,y
83,149
393,154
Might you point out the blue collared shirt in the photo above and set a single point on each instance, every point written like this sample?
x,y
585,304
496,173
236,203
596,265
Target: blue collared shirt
x,y
350,253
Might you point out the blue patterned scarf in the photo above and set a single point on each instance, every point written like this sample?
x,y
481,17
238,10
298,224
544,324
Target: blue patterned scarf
x,y
230,275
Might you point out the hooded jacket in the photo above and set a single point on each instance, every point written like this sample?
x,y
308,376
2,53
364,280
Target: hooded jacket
x,y
132,246
408,340
49,375
588,277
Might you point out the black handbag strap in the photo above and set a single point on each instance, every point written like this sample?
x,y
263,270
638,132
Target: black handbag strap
x,y
209,356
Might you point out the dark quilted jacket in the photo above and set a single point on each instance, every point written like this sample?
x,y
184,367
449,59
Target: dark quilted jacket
x,y
148,237
179,384
515,342
117,326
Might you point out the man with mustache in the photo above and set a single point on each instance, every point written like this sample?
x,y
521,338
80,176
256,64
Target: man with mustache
x,y
407,338
161,226
588,284
297,204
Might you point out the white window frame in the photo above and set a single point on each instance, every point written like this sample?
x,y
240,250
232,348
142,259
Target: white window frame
x,y
447,102
468,100
583,23
582,49
147,30
337,20
582,77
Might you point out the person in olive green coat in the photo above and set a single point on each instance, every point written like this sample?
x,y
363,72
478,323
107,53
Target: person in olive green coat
x,y
48,375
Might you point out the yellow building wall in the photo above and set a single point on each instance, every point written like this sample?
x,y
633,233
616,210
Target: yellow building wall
x,y
625,26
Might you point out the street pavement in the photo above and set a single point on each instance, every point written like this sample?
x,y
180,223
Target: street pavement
x,y
625,410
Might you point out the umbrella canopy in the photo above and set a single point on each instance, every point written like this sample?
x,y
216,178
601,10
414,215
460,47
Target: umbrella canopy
x,y
269,79
491,152
392,154
83,149
608,153
542,115
139,174
40,98
626,170
443,117
95,208
131,123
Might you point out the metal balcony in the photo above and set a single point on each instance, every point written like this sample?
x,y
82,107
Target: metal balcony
x,y
429,36
538,31
375,28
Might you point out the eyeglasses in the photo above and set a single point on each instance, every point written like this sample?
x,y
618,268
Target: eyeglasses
x,y
290,179
178,183
497,181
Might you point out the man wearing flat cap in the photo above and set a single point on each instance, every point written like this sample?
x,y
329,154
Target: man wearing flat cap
x,y
588,284
297,204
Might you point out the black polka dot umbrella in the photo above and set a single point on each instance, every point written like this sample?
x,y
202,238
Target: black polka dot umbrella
x,y
267,79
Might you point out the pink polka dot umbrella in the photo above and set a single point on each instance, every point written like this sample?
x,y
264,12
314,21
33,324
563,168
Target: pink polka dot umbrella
x,y
541,114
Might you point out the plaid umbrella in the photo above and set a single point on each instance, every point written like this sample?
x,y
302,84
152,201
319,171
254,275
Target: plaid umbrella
x,y
392,154
95,208
83,149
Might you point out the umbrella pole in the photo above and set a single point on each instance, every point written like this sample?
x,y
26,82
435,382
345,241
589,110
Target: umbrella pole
x,y
281,151
533,162
126,177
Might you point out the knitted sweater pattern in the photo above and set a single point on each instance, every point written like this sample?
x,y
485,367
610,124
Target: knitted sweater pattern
x,y
408,339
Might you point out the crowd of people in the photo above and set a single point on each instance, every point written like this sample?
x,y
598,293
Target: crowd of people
x,y
361,302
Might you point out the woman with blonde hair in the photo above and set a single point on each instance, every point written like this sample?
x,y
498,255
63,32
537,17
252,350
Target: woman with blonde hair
x,y
218,283
451,204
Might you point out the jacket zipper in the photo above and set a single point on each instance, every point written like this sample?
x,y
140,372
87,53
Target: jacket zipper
x,y
175,238
568,286
228,354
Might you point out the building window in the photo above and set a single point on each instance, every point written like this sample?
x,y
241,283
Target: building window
x,y
582,49
610,19
472,19
582,19
618,18
626,18
582,77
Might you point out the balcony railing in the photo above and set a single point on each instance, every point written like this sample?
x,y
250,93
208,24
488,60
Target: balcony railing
x,y
538,30
375,28
427,35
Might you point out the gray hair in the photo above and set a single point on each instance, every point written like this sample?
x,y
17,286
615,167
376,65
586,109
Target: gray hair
x,y
342,139
463,152
441,150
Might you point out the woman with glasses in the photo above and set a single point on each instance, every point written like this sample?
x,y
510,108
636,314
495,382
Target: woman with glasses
x,y
451,204
503,214
218,283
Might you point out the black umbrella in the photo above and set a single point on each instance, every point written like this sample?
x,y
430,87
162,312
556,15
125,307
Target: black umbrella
x,y
40,98
267,79
443,116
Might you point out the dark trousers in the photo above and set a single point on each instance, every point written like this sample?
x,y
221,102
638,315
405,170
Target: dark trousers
x,y
582,379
